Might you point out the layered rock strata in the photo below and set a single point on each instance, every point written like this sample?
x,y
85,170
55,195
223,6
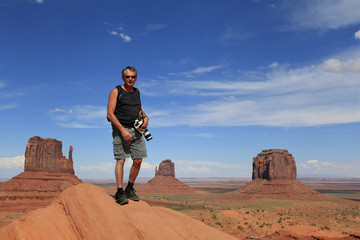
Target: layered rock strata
x,y
274,164
47,173
45,154
274,175
166,168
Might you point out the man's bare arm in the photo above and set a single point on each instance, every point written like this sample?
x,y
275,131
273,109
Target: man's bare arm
x,y
145,117
113,119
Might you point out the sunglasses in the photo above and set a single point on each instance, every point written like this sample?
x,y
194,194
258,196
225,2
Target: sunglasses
x,y
133,77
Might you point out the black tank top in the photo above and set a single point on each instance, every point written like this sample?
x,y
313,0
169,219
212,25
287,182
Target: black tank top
x,y
127,106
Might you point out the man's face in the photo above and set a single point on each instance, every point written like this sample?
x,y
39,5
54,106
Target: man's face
x,y
129,78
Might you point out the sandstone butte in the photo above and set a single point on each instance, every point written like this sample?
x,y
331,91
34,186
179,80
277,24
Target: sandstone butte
x,y
86,211
274,175
165,181
46,174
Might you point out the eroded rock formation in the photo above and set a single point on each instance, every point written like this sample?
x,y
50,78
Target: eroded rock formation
x,y
274,175
165,181
274,164
47,173
45,154
166,168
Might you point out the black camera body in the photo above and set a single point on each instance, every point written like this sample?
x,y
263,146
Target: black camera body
x,y
138,124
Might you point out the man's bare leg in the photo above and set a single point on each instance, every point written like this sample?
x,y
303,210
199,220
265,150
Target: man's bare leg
x,y
119,172
134,171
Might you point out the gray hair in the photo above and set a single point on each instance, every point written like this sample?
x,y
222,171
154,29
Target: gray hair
x,y
132,69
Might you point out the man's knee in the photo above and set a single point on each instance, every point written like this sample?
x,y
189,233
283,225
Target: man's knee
x,y
137,162
120,161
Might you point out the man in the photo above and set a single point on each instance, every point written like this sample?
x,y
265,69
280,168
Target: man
x,y
124,107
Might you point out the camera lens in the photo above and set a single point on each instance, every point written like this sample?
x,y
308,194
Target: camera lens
x,y
147,135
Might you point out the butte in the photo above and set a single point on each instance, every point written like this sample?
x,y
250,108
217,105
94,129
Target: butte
x,y
274,175
46,174
165,181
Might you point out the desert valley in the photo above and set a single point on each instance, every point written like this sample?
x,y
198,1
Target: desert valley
x,y
47,201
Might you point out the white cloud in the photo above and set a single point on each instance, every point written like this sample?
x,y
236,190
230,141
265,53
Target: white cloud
x,y
7,106
39,1
330,14
153,27
333,65
123,36
232,35
2,84
109,167
13,162
326,93
202,70
321,168
102,167
80,116
61,110
194,170
357,35
190,168
274,65
354,66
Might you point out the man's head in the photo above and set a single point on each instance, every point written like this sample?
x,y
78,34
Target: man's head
x,y
129,75
130,68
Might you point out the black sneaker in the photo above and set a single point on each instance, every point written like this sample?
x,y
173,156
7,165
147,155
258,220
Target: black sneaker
x,y
130,194
121,198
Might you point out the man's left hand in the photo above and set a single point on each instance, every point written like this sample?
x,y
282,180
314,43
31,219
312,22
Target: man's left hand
x,y
146,122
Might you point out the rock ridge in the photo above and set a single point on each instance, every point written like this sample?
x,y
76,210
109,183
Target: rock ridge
x,y
86,211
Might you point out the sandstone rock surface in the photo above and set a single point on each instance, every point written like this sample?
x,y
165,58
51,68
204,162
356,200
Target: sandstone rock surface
x,y
47,173
274,164
274,175
86,211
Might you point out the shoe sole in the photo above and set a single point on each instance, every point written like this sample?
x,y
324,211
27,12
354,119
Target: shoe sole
x,y
136,200
120,203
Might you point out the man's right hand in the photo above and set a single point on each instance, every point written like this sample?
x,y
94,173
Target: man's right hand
x,y
127,136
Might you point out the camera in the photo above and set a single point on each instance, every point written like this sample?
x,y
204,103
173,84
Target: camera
x,y
138,124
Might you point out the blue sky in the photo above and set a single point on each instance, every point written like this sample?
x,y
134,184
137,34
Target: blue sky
x,y
220,80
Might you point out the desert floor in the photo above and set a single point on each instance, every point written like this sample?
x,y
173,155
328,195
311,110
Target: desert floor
x,y
219,205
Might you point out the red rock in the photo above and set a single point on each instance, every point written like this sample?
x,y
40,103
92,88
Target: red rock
x,y
274,164
274,175
166,168
47,173
46,155
87,212
165,181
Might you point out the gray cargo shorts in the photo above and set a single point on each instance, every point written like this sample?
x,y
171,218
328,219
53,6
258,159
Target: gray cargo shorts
x,y
123,149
